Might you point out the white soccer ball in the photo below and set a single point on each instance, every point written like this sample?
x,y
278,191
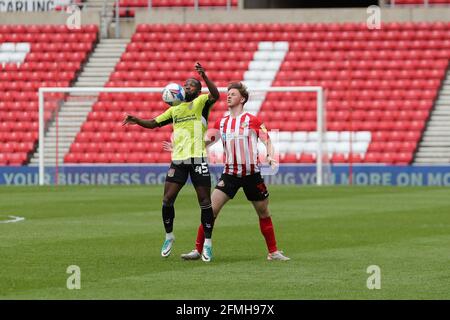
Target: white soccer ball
x,y
173,94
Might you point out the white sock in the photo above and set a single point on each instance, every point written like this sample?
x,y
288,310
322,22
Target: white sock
x,y
170,236
208,242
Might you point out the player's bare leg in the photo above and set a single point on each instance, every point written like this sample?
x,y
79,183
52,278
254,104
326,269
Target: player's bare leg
x,y
267,230
171,191
218,200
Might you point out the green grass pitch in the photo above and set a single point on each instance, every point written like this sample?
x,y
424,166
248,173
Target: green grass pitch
x,y
332,234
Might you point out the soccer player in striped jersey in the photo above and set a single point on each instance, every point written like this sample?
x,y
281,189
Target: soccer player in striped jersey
x,y
189,156
239,132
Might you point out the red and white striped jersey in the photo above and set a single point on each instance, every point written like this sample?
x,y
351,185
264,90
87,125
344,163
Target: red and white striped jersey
x,y
240,143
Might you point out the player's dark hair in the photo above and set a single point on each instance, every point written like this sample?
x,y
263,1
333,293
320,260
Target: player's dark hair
x,y
198,84
241,88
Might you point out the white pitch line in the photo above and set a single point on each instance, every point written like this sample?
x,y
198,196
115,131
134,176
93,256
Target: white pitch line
x,y
13,219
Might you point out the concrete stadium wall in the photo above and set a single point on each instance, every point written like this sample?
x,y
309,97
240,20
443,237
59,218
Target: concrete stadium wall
x,y
54,17
358,15
289,15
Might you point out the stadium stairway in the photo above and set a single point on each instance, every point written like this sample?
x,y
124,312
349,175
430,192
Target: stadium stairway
x,y
74,111
435,145
102,62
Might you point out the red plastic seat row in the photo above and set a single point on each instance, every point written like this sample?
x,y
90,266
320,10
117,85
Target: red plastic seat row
x,y
18,126
308,40
372,115
36,76
187,56
18,116
364,65
297,108
339,89
31,66
181,66
394,94
376,41
356,125
120,147
372,84
392,146
98,126
18,106
17,96
160,75
46,28
56,56
157,83
11,147
18,136
361,78
135,157
356,76
13,159
62,46
123,136
346,115
396,135
162,45
112,116
363,97
368,55
48,37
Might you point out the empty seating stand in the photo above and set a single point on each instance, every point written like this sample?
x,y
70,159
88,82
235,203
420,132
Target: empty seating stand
x,y
382,82
32,57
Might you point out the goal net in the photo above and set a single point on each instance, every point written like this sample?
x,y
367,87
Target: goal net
x,y
80,130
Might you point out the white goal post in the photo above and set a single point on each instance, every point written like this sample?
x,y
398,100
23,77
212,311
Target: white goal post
x,y
320,128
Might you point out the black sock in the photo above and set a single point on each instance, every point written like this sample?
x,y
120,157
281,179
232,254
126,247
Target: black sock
x,y
168,215
207,220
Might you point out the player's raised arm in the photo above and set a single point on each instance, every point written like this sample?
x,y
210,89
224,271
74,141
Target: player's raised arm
x,y
149,124
214,94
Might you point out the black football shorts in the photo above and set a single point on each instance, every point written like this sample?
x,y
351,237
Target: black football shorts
x,y
196,168
254,187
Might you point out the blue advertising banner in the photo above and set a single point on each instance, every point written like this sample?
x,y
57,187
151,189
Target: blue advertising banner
x,y
287,174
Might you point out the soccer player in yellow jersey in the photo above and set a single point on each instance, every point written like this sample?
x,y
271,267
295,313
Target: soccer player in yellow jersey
x,y
189,155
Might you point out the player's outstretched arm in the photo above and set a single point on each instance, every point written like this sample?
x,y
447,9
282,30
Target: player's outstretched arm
x,y
214,94
149,124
